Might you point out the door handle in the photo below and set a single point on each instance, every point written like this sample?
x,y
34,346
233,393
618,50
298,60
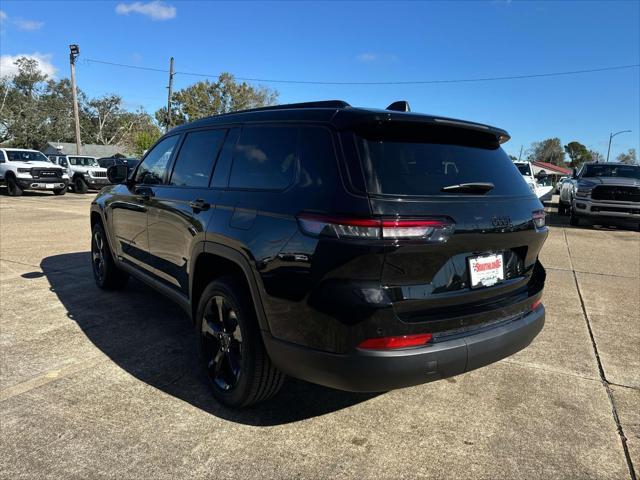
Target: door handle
x,y
199,205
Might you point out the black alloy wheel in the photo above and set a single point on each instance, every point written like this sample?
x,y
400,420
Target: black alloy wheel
x,y
221,338
97,255
230,345
105,272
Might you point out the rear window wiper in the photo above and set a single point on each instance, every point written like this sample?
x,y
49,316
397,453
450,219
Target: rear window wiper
x,y
474,187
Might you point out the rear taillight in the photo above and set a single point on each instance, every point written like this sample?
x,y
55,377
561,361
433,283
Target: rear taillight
x,y
401,341
539,218
430,230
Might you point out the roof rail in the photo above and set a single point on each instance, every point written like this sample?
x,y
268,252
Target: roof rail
x,y
288,106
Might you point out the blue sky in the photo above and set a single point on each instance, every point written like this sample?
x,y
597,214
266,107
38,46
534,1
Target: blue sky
x,y
368,42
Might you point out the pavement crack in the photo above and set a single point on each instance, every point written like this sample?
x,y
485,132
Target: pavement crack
x,y
603,379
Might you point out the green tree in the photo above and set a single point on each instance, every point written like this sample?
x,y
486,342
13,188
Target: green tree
x,y
513,158
629,157
21,119
203,99
578,153
596,156
35,109
549,150
142,137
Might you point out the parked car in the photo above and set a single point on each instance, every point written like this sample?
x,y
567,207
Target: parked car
x,y
602,192
22,169
84,171
107,162
360,249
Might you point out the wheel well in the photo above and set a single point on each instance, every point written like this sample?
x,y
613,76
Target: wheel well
x,y
208,267
95,218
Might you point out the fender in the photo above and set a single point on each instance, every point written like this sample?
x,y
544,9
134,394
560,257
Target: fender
x,y
242,261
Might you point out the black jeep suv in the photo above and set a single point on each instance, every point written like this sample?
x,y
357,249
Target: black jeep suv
x,y
360,249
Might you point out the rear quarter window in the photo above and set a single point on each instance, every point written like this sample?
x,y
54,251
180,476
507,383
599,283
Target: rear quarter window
x,y
412,166
265,158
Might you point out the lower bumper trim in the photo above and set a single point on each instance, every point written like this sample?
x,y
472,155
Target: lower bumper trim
x,y
376,371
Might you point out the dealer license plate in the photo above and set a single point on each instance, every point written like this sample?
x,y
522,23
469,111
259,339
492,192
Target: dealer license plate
x,y
486,270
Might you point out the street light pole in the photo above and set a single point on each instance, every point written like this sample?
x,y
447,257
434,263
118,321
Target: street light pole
x,y
74,52
611,135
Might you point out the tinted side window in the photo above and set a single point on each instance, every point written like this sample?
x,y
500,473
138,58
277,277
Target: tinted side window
x,y
154,166
318,161
196,158
265,158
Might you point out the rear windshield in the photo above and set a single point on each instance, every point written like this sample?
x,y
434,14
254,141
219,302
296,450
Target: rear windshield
x,y
414,167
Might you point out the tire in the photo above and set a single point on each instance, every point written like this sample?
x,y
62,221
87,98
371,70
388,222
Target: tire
x,y
105,272
79,185
13,189
574,220
60,191
230,346
562,209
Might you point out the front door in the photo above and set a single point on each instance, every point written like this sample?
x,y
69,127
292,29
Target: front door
x,y
130,205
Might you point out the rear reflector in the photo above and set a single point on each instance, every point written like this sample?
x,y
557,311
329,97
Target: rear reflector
x,y
536,304
429,230
402,341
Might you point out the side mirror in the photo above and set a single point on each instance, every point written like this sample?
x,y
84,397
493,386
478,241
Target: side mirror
x,y
117,174
541,175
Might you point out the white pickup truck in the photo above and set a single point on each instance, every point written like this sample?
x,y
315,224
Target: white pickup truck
x,y
22,169
543,192
84,171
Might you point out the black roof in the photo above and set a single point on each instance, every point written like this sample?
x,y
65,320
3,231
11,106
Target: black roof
x,y
337,113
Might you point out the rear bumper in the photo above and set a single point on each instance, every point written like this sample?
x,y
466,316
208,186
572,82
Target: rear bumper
x,y
595,208
375,371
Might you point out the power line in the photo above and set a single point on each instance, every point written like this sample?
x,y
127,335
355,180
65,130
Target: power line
x,y
411,82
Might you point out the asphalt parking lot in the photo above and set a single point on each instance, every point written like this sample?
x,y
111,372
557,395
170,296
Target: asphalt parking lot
x,y
104,385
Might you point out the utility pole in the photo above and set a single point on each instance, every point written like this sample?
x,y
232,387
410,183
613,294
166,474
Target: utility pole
x,y
520,156
611,135
74,52
170,87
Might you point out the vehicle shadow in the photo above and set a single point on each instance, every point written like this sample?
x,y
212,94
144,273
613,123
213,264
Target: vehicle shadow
x,y
151,338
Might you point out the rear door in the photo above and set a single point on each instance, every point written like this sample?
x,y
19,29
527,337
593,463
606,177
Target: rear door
x,y
181,207
464,179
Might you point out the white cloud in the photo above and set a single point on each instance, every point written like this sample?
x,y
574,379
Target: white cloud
x,y
21,23
9,69
28,25
376,57
156,10
367,57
